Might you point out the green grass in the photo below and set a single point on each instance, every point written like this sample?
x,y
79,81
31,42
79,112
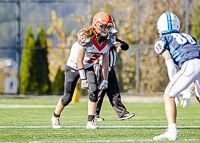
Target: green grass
x,y
147,114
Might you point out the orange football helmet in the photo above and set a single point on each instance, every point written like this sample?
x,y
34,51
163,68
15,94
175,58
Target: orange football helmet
x,y
102,23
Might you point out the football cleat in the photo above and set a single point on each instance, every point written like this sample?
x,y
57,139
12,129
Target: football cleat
x,y
168,135
56,122
126,116
99,119
91,125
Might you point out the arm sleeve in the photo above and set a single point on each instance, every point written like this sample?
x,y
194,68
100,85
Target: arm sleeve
x,y
124,45
171,69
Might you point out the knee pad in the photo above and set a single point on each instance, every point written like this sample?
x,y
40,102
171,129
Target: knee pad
x,y
93,96
66,99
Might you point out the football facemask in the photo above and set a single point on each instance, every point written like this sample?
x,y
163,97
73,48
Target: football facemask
x,y
105,30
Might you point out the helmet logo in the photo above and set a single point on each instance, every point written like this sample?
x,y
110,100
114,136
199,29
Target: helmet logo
x,y
169,21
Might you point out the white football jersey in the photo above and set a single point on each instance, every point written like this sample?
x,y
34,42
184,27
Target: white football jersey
x,y
112,54
112,58
93,51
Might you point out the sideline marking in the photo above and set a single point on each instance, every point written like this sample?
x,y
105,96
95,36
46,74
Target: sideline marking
x,y
29,106
104,141
149,140
101,126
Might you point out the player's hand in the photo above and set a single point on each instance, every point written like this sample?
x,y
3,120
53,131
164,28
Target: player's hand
x,y
186,97
176,99
103,85
118,46
85,84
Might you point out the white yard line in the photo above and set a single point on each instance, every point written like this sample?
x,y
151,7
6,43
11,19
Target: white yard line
x,y
101,126
147,140
105,141
29,106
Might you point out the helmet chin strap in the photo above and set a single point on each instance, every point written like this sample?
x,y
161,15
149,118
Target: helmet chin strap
x,y
104,34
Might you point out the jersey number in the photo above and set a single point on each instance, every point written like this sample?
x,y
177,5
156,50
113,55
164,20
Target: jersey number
x,y
93,58
183,38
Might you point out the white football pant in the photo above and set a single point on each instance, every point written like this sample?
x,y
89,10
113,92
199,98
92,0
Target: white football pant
x,y
189,73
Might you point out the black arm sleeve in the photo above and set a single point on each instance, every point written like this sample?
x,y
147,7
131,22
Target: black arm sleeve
x,y
124,45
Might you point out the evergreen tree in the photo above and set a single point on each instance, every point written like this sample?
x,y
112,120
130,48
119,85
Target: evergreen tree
x,y
195,32
41,72
26,79
57,86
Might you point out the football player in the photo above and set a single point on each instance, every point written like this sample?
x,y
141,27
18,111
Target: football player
x,y
178,49
93,42
112,91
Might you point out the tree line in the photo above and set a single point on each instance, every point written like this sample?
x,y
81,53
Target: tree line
x,y
34,72
42,70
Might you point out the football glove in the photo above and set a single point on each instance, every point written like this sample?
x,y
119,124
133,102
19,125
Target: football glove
x,y
85,84
176,99
103,85
112,38
186,97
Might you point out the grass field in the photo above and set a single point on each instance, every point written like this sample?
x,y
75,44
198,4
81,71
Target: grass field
x,y
29,120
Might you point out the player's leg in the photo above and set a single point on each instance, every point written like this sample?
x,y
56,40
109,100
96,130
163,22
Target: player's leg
x,y
189,72
93,93
114,96
198,99
170,109
101,93
197,90
55,118
70,84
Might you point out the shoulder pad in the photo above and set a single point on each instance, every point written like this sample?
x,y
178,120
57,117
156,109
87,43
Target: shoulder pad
x,y
83,40
160,45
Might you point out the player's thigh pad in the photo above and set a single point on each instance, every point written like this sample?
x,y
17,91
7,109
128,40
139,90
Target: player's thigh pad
x,y
189,72
93,95
71,79
91,77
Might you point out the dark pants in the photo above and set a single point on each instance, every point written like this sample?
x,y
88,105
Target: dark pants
x,y
71,78
112,91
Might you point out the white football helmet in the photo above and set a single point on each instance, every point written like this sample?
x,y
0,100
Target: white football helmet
x,y
168,23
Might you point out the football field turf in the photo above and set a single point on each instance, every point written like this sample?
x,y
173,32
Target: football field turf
x,y
29,120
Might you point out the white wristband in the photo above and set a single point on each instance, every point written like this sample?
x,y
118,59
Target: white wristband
x,y
82,74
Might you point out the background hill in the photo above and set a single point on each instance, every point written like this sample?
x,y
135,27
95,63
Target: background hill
x,y
34,14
